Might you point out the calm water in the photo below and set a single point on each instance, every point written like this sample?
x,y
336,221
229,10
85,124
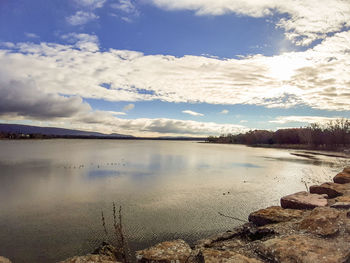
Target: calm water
x,y
52,191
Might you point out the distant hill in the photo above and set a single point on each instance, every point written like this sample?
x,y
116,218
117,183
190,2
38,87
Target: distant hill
x,y
27,129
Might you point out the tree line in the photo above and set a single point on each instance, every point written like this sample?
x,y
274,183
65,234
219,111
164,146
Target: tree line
x,y
332,135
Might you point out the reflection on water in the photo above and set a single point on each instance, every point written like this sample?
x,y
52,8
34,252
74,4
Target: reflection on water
x,y
52,192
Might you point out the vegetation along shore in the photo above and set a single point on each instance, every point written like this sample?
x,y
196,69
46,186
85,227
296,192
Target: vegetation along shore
x,y
334,136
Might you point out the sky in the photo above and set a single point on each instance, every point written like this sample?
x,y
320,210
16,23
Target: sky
x,y
174,67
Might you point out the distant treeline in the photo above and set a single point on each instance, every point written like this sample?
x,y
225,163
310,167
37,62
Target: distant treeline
x,y
332,135
23,136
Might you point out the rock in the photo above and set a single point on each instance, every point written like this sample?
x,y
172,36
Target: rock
x,y
303,200
343,198
346,170
274,214
89,259
321,221
212,255
4,260
107,250
342,178
303,249
341,205
166,252
331,189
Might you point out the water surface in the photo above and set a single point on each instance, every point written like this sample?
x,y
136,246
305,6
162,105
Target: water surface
x,y
52,192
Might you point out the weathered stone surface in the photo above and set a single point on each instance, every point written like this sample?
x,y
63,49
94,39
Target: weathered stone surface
x,y
331,189
274,214
4,260
89,259
303,249
221,256
342,178
321,221
303,200
166,252
343,198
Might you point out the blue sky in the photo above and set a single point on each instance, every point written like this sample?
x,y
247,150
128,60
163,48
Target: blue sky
x,y
165,67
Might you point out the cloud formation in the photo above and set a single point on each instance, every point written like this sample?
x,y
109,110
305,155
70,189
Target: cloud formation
x,y
224,111
81,18
317,78
193,113
26,100
303,119
125,10
93,4
303,21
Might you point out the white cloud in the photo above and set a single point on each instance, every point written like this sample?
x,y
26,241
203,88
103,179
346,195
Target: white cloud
x,y
224,112
303,21
243,121
83,42
193,113
317,78
116,112
91,3
303,119
129,107
126,10
81,18
126,6
31,35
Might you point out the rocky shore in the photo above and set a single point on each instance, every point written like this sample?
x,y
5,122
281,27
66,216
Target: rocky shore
x,y
308,227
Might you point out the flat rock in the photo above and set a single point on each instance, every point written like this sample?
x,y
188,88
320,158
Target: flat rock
x,y
321,221
221,256
90,258
274,214
342,178
331,189
303,200
303,249
4,260
166,252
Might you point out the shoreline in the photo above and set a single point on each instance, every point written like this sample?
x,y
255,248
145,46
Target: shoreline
x,y
308,226
311,226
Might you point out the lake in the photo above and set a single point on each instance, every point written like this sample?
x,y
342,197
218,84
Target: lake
x,y
52,192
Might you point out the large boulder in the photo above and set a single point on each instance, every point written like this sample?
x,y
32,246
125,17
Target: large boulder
x,y
303,200
331,189
274,214
303,249
166,252
342,178
4,260
220,256
321,221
